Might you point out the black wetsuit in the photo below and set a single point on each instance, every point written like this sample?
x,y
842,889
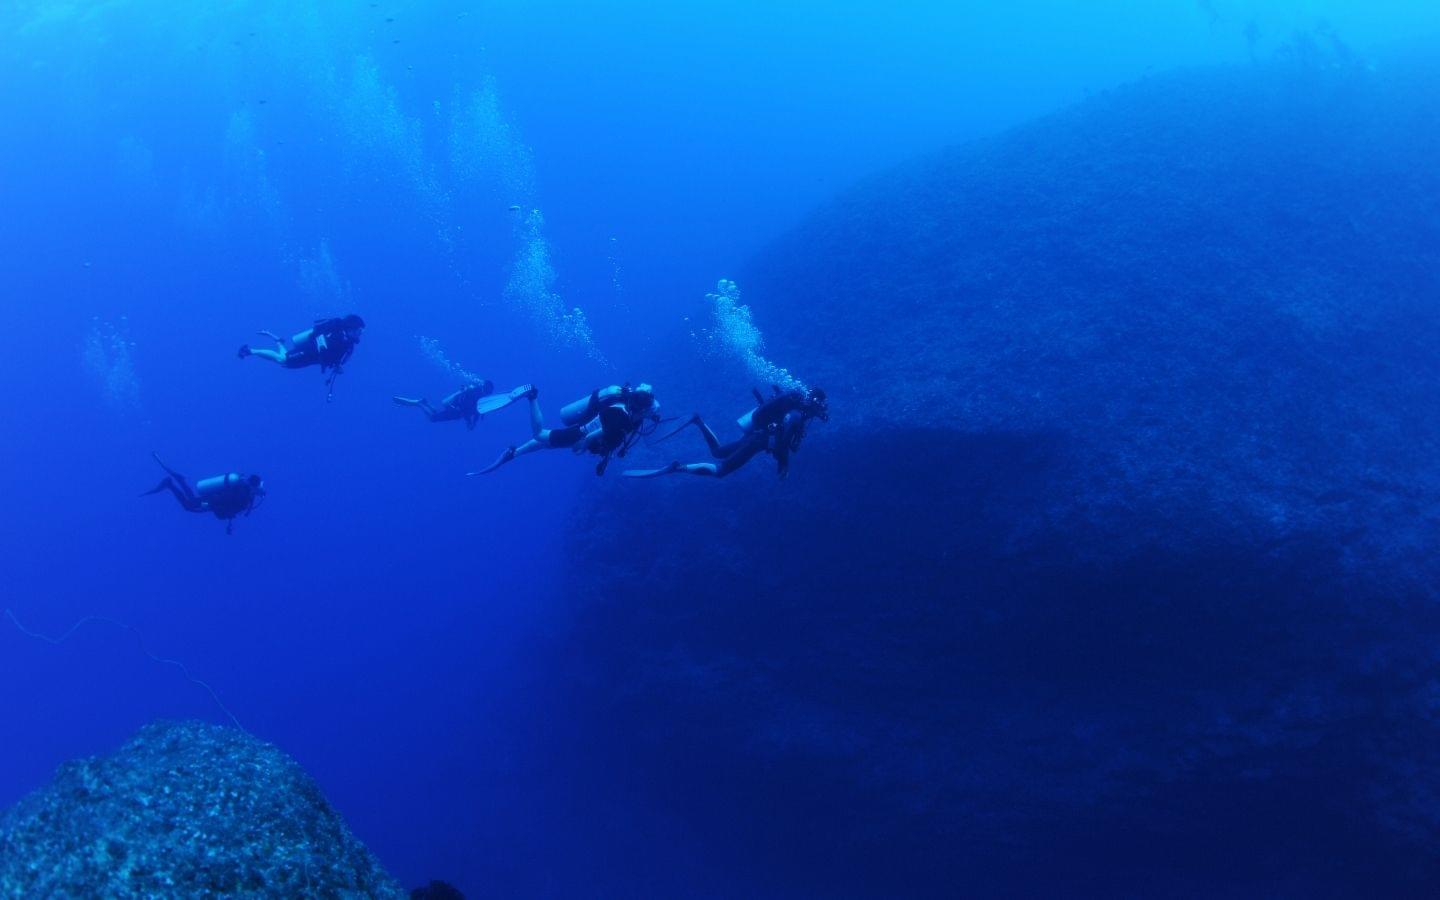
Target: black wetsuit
x,y
234,496
616,424
460,405
329,345
776,426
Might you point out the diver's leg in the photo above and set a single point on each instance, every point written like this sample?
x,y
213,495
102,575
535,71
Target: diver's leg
x,y
537,418
711,440
182,493
741,452
189,499
166,483
422,404
276,356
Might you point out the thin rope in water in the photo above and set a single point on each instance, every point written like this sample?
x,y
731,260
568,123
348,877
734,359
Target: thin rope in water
x,y
144,648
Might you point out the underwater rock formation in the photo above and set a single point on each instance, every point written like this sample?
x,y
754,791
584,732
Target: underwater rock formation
x,y
1113,572
184,809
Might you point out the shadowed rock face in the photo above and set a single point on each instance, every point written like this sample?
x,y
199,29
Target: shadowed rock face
x,y
1220,285
1113,571
184,809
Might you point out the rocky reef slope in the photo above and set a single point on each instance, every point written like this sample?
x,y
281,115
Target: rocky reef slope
x,y
184,810
1114,571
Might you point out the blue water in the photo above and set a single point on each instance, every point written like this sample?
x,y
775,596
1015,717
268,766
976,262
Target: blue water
x,y
174,178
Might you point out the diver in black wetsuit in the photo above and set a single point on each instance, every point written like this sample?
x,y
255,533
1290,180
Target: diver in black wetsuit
x,y
776,426
327,344
459,405
605,423
226,496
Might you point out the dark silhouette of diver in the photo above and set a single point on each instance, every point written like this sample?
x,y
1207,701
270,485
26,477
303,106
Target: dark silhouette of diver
x,y
776,426
226,496
606,423
327,344
459,405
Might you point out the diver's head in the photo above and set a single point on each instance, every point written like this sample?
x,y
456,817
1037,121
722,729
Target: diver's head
x,y
642,398
816,405
352,325
485,386
257,486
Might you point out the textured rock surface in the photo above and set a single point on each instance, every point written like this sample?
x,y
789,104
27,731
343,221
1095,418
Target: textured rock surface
x,y
1113,573
184,810
1219,287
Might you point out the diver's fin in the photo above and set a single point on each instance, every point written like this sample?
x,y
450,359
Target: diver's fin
x,y
693,420
653,473
168,470
496,402
505,457
405,401
164,483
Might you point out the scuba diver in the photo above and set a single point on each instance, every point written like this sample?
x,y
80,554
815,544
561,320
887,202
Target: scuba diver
x,y
606,423
776,426
227,496
459,405
328,343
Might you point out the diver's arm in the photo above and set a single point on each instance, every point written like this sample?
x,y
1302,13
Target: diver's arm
x,y
608,396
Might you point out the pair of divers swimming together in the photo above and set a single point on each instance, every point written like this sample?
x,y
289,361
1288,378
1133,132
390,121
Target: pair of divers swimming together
x,y
609,421
606,423
328,343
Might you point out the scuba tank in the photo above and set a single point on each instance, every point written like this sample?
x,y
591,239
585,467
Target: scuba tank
x,y
228,495
209,487
580,410
587,406
748,420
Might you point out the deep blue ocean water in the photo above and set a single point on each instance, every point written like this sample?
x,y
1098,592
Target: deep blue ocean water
x,y
175,177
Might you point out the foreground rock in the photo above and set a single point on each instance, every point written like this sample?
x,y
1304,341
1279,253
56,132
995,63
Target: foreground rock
x,y
184,810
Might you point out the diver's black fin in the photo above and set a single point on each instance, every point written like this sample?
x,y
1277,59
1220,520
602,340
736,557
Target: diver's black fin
x,y
169,471
505,457
693,420
653,473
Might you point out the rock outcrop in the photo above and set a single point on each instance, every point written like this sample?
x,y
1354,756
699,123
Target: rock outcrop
x,y
184,810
